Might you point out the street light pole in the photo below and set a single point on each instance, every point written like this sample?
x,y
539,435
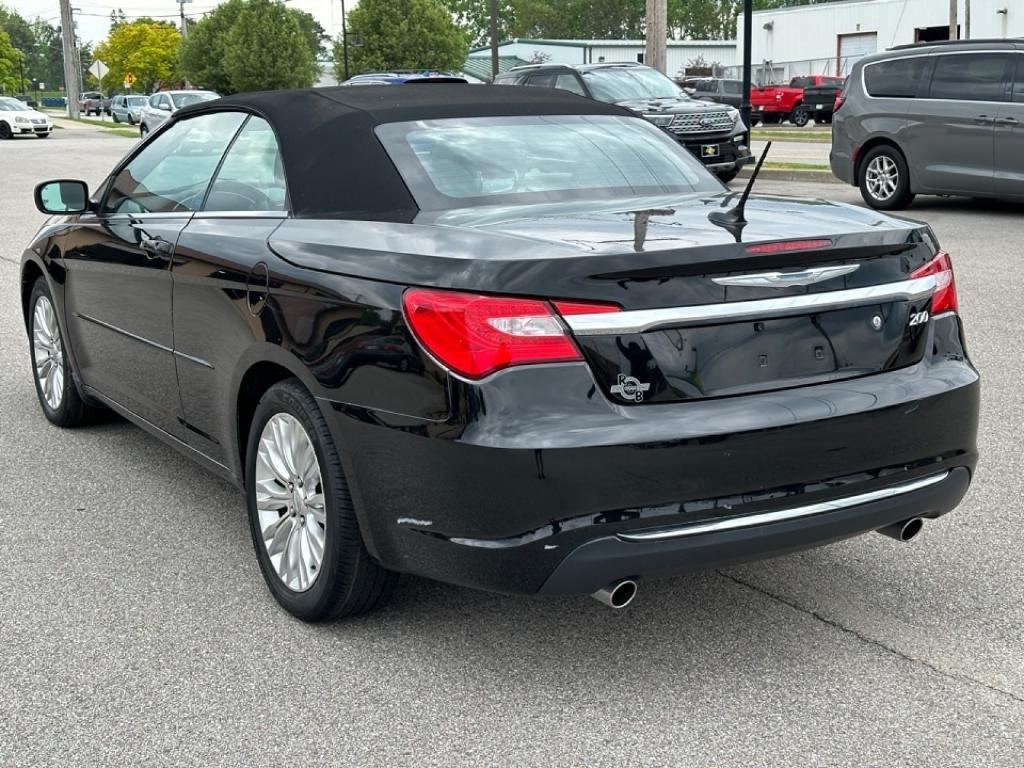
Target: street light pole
x,y
494,38
748,32
344,39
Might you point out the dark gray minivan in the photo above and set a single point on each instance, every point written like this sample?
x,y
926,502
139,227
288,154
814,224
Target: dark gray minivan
x,y
935,119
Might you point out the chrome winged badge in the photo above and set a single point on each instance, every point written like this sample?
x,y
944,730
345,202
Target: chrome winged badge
x,y
787,279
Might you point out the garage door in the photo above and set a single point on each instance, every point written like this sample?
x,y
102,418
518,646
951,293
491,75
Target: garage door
x,y
852,48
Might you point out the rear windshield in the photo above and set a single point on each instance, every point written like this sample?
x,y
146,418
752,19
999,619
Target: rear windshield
x,y
896,78
184,99
466,162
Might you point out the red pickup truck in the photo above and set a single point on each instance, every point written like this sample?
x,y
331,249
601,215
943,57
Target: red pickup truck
x,y
775,103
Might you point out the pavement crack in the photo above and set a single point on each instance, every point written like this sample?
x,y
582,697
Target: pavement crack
x,y
866,639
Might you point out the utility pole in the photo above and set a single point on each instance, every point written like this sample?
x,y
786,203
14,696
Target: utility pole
x,y
967,19
952,20
748,32
344,41
493,4
67,30
657,34
181,10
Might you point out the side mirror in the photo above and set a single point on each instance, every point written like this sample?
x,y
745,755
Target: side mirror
x,y
62,196
164,106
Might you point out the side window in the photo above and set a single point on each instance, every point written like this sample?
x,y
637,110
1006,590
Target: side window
x,y
971,77
1018,83
542,81
704,86
897,78
568,82
172,172
251,178
732,87
154,100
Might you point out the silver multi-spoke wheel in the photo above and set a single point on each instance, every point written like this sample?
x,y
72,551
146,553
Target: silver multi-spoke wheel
x,y
882,177
290,502
48,353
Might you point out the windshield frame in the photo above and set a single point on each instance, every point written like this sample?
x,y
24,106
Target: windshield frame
x,y
693,177
615,85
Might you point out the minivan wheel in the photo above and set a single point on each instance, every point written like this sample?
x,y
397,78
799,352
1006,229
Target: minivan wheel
x,y
301,516
884,179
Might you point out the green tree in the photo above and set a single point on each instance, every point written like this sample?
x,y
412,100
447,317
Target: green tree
x,y
267,49
144,48
475,17
214,56
403,34
10,60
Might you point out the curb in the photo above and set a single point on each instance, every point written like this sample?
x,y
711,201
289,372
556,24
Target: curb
x,y
779,174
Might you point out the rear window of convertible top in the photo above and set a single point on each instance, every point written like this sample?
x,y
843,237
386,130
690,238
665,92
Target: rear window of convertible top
x,y
466,162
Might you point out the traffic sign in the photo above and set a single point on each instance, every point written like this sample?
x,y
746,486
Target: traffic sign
x,y
99,69
129,80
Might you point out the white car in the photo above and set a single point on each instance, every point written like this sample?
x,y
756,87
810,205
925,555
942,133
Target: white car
x,y
17,118
165,103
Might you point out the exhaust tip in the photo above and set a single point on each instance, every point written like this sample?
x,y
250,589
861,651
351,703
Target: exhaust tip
x,y
904,530
618,594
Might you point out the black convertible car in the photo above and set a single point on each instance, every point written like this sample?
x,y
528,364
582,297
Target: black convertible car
x,y
507,338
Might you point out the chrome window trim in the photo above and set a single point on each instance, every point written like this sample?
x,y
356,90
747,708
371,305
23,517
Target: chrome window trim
x,y
641,320
782,515
240,215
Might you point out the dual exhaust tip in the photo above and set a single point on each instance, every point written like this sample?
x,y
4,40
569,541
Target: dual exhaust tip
x,y
620,593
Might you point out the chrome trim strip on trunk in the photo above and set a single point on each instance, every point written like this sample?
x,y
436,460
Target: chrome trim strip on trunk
x,y
641,320
781,515
786,279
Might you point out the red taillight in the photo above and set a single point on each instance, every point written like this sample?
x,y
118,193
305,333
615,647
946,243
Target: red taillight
x,y
476,335
840,100
944,299
785,246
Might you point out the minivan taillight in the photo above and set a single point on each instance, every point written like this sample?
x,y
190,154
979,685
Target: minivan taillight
x,y
840,100
944,299
475,334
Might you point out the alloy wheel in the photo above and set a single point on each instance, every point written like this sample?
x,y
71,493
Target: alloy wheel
x,y
47,352
882,177
290,502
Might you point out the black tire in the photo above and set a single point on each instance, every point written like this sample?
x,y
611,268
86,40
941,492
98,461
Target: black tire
x,y
143,130
772,119
348,582
5,132
72,410
799,116
901,196
131,120
726,176
116,118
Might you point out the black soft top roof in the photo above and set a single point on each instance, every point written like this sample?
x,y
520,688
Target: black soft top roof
x,y
336,167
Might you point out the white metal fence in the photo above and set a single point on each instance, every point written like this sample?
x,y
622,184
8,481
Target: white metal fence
x,y
776,72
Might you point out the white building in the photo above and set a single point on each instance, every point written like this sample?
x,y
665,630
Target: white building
x,y
680,54
828,38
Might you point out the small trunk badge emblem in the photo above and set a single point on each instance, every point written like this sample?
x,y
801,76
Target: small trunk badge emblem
x,y
876,322
630,388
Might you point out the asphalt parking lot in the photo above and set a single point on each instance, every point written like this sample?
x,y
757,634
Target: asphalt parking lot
x,y
136,629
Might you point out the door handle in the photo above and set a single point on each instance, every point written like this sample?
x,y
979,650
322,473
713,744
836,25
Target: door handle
x,y
984,120
155,246
1008,121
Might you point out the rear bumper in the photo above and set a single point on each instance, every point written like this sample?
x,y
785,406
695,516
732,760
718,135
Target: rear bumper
x,y
535,478
588,567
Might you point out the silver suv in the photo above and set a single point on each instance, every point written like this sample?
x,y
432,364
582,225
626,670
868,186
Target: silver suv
x,y
934,119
